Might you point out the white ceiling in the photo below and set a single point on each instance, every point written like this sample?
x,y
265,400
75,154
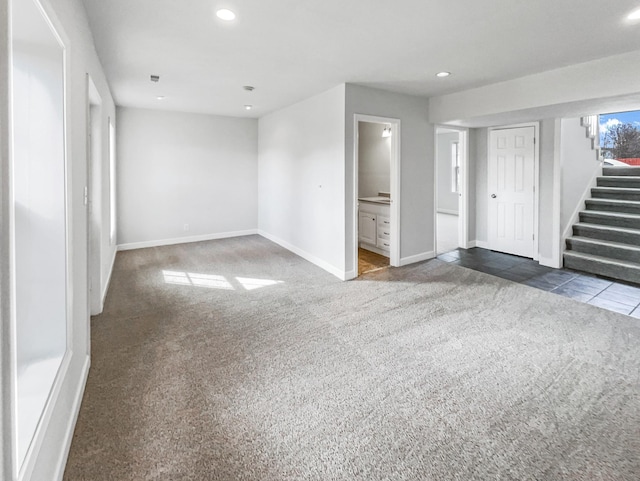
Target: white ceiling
x,y
292,49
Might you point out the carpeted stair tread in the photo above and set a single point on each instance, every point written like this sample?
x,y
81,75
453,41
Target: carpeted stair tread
x,y
607,228
605,232
626,193
616,268
612,214
625,181
616,219
621,171
616,189
604,248
620,202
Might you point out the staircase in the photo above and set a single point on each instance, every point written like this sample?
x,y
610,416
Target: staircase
x,y
606,241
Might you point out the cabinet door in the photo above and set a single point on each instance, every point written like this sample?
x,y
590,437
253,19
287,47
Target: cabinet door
x,y
367,228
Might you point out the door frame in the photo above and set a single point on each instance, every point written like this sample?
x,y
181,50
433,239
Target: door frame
x,y
93,196
536,180
463,199
394,186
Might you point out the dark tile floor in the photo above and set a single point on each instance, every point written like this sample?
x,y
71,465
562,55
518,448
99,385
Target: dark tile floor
x,y
606,293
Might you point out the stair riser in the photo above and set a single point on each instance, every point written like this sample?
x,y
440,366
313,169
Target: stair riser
x,y
634,171
615,195
595,267
610,252
603,206
595,233
630,182
623,222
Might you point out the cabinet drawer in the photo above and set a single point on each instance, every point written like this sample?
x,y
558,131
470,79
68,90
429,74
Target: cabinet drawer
x,y
384,244
384,222
384,232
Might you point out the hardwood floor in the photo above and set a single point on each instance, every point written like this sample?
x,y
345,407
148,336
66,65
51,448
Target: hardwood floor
x,y
370,261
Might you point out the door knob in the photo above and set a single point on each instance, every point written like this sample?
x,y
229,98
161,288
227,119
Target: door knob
x,y
493,196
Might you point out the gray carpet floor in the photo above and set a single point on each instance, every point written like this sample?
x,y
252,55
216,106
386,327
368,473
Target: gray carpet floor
x,y
237,360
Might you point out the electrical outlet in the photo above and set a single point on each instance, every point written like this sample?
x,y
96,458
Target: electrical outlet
x,y
186,227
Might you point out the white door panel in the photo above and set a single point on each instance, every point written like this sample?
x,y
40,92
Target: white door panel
x,y
511,189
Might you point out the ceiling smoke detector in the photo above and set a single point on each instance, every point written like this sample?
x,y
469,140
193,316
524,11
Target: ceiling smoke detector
x,y
155,78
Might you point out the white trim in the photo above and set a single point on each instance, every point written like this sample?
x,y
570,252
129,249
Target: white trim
x,y
185,240
536,177
549,262
472,244
350,275
556,213
482,244
425,256
340,274
75,411
108,283
395,185
447,211
31,456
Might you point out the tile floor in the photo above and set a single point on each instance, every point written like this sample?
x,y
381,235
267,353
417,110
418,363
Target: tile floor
x,y
606,293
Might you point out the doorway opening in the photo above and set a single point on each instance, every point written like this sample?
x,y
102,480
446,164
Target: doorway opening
x,y
451,189
94,196
377,193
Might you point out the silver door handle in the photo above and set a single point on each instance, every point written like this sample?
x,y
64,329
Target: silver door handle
x,y
493,196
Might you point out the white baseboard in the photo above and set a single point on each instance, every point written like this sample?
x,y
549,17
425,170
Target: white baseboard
x,y
482,244
185,240
108,283
549,262
350,275
471,244
342,275
75,411
417,258
448,211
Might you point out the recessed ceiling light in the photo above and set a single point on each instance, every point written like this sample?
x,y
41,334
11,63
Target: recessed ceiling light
x,y
635,15
161,97
225,14
248,107
443,74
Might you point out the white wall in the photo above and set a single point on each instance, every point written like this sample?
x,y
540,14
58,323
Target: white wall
x,y
576,88
447,201
179,168
7,443
416,168
302,178
374,160
51,449
547,220
579,168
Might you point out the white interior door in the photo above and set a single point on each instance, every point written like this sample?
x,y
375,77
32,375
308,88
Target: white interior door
x,y
511,186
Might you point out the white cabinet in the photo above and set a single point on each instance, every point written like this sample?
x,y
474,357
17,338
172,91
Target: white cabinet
x,y
367,227
374,227
383,237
